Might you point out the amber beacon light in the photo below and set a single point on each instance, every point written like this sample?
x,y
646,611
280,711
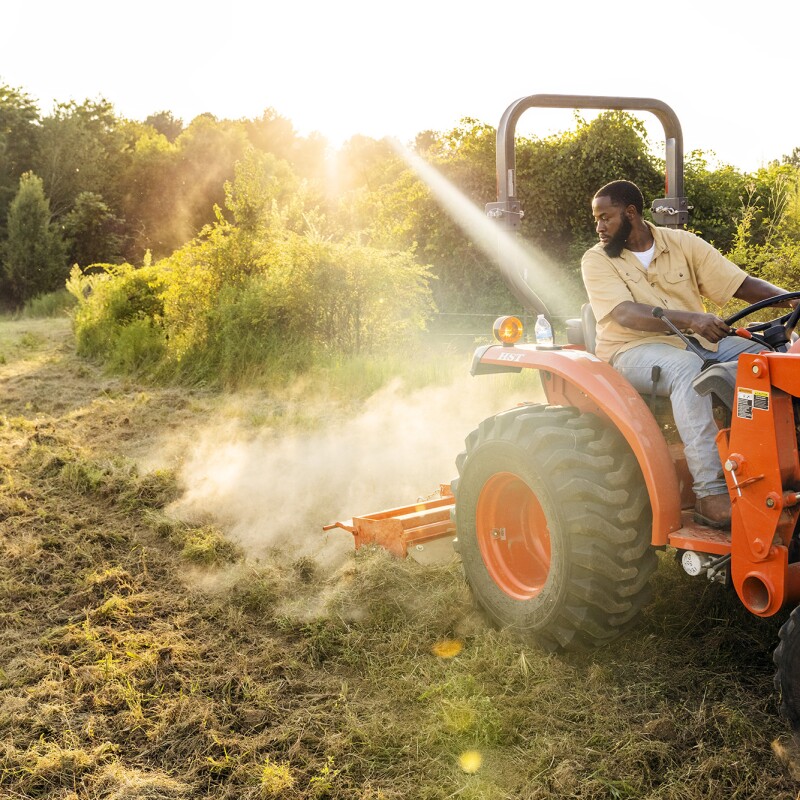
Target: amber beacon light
x,y
508,330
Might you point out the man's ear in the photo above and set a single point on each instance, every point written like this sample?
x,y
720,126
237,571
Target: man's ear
x,y
630,212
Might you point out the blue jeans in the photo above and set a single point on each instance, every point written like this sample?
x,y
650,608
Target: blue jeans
x,y
693,413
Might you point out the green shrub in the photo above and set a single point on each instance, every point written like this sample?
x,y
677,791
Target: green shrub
x,y
255,301
139,347
52,304
776,260
119,314
231,310
240,341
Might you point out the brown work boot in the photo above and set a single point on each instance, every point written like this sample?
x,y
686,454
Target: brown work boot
x,y
714,511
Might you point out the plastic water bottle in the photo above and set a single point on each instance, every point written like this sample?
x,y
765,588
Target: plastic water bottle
x,y
543,332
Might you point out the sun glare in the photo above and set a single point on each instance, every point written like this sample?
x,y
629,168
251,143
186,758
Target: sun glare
x,y
517,261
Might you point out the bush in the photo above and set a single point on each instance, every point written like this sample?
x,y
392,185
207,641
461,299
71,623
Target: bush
x,y
777,260
139,347
118,318
253,301
52,304
232,308
299,301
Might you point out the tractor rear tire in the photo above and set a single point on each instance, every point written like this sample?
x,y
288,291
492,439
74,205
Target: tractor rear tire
x,y
787,675
553,523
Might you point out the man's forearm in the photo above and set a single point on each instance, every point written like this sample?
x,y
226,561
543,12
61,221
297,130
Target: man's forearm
x,y
754,289
639,317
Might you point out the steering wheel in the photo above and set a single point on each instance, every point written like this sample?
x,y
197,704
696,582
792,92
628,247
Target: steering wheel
x,y
788,321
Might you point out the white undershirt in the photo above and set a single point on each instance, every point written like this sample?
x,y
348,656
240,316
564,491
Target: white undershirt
x,y
647,256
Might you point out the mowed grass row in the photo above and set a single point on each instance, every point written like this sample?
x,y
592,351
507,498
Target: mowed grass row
x,y
146,657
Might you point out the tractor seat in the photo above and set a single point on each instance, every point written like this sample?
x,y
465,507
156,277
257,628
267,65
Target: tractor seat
x,y
583,331
717,380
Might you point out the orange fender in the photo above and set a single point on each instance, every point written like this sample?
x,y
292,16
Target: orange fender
x,y
578,378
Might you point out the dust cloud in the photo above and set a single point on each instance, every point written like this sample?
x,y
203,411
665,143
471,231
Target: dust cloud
x,y
268,490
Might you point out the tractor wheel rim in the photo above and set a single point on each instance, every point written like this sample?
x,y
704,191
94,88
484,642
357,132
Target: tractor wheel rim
x,y
513,536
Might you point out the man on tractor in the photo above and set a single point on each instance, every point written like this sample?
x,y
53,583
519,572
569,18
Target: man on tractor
x,y
638,267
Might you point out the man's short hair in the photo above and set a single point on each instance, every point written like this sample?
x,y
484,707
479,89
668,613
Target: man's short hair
x,y
623,193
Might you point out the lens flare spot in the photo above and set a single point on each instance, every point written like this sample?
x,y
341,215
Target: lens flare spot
x,y
470,761
522,265
447,648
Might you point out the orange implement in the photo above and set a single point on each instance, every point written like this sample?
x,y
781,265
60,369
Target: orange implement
x,y
400,529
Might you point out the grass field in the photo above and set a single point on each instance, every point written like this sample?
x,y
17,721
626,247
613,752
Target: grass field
x,y
174,625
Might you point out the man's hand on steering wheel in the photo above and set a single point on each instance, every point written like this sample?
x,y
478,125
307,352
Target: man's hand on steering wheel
x,y
788,321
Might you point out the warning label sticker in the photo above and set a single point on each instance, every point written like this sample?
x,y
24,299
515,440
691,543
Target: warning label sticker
x,y
744,404
748,399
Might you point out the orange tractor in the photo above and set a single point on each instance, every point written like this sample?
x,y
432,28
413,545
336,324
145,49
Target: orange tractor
x,y
558,508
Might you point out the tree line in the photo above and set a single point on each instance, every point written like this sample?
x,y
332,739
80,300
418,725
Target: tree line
x,y
83,186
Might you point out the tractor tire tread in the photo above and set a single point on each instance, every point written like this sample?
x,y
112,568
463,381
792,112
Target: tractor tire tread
x,y
604,509
786,658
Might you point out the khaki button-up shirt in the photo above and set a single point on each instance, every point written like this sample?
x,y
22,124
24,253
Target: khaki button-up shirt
x,y
683,271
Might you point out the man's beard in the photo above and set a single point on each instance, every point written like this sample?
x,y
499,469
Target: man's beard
x,y
616,244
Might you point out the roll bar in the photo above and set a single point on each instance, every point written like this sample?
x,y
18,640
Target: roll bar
x,y
671,211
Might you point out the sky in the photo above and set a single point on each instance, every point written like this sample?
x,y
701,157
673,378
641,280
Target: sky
x,y
346,67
